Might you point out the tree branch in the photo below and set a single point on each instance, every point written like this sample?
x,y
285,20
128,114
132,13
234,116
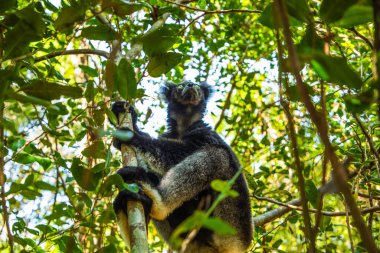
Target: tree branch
x,y
2,179
368,137
227,103
295,205
274,214
73,51
376,16
320,123
213,12
366,40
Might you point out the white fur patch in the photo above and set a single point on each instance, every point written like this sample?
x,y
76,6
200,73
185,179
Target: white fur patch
x,y
122,221
159,210
152,163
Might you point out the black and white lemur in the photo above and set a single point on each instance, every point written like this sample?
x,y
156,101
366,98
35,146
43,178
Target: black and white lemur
x,y
175,172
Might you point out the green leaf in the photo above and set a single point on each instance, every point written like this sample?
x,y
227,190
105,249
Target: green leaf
x,y
161,39
310,42
7,5
219,185
29,180
99,32
123,8
99,167
219,226
162,63
18,143
85,198
112,117
123,135
335,70
30,99
298,9
131,187
69,244
84,177
69,15
117,180
355,15
125,79
107,249
45,186
361,102
25,158
33,19
89,93
109,76
266,18
89,71
277,244
96,150
29,27
50,6
311,192
45,228
49,90
194,221
333,10
44,162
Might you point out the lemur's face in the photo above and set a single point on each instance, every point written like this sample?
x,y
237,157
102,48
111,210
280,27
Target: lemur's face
x,y
188,93
187,98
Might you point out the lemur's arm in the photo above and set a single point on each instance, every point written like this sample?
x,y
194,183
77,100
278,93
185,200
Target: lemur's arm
x,y
166,151
184,181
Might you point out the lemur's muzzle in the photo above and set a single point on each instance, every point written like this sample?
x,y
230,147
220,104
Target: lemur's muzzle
x,y
191,93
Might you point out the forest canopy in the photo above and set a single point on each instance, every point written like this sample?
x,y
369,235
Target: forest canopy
x,y
296,96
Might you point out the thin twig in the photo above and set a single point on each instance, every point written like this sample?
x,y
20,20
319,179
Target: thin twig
x,y
102,19
349,229
294,205
73,51
215,11
271,215
363,195
320,199
376,72
365,39
227,103
370,217
190,23
320,123
297,161
367,136
44,133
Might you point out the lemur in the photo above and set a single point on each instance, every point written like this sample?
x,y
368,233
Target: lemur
x,y
176,169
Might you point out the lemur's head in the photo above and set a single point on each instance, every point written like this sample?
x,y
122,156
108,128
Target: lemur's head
x,y
186,99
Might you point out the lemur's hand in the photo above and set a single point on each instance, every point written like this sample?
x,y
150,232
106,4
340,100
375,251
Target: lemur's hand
x,y
132,174
121,200
120,107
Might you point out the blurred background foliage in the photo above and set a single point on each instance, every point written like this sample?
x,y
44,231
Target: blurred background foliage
x,y
63,62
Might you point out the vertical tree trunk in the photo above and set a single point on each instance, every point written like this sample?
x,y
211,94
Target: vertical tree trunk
x,y
136,229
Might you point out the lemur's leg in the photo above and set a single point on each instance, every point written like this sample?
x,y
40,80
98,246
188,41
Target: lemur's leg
x,y
187,179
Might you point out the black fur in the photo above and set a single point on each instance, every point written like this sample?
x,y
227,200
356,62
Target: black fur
x,y
186,159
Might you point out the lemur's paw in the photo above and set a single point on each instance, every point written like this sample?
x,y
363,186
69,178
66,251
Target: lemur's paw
x,y
121,107
137,174
121,200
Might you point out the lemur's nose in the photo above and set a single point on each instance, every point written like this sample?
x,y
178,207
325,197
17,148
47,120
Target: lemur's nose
x,y
190,85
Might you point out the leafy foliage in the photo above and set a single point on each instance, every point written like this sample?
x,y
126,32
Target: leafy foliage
x,y
63,62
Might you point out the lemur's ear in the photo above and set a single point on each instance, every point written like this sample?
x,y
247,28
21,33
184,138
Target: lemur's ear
x,y
167,90
207,90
